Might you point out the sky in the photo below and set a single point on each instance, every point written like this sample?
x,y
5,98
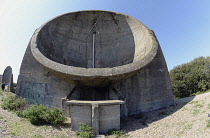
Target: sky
x,y
181,26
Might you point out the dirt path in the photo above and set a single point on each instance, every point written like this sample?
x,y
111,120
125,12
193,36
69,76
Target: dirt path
x,y
187,118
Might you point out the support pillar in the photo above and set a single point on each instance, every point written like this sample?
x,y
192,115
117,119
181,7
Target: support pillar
x,y
95,119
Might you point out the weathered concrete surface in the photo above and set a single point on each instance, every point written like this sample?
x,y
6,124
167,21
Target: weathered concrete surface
x,y
63,47
7,78
148,90
38,85
129,63
100,115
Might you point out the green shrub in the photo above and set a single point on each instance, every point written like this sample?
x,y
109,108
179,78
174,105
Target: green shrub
x,y
19,113
39,114
116,133
55,116
85,131
13,103
191,78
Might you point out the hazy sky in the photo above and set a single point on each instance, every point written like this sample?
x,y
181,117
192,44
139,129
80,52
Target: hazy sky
x,y
181,26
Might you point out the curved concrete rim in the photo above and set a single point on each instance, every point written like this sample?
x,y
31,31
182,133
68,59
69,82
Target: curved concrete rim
x,y
91,72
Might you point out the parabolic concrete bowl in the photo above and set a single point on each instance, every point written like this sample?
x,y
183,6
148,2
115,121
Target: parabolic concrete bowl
x,y
94,48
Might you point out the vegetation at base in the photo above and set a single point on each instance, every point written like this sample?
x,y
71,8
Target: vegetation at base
x,y
85,131
37,114
191,78
13,103
15,87
116,133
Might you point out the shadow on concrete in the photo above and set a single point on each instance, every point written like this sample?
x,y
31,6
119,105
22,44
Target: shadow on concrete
x,y
142,120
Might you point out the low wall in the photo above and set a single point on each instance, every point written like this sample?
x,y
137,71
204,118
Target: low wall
x,y
100,115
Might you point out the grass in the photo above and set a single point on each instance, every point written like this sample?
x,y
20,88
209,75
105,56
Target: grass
x,y
198,93
85,131
208,106
117,133
16,128
184,109
13,133
198,105
208,124
196,112
193,102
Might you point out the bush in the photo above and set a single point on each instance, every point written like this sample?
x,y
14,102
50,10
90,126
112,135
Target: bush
x,y
116,133
39,114
85,131
190,78
13,103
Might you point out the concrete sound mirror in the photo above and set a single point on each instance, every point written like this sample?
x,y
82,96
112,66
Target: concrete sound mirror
x,y
99,56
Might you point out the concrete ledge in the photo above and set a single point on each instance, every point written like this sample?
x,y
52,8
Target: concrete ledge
x,y
105,102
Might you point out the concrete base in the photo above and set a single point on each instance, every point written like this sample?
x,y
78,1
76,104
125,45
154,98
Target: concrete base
x,y
100,115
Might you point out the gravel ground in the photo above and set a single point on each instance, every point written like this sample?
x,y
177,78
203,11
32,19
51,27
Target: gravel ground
x,y
187,118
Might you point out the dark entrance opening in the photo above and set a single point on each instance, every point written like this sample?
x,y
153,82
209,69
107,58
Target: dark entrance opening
x,y
94,93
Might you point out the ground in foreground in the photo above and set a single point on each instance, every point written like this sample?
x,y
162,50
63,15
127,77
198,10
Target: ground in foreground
x,y
187,118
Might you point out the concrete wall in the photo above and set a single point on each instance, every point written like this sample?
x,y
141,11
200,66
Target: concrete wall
x,y
38,85
149,90
102,116
109,118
